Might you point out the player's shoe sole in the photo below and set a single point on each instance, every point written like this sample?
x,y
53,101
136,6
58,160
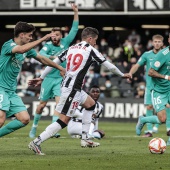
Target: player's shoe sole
x,y
36,148
89,143
139,126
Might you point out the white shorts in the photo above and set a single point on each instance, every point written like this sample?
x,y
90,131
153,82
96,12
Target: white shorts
x,y
74,128
70,100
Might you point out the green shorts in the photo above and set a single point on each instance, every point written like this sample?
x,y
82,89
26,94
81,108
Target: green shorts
x,y
11,103
50,88
147,97
160,100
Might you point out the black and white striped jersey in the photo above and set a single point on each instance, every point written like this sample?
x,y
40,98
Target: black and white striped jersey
x,y
79,57
96,113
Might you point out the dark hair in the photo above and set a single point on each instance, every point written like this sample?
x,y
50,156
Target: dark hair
x,y
89,32
94,86
23,27
56,29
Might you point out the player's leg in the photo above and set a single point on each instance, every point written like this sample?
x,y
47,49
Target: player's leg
x,y
17,109
74,128
56,92
168,123
37,117
149,112
98,134
48,133
89,106
56,116
45,95
66,107
159,102
2,118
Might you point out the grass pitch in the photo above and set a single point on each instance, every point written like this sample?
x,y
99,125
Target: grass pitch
x,y
120,149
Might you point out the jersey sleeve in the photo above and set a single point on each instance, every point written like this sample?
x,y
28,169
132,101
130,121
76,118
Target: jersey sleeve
x,y
74,29
44,51
158,61
62,56
7,47
97,56
142,60
31,54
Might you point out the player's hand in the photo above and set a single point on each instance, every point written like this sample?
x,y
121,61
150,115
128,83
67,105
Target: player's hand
x,y
127,75
35,82
129,80
74,7
63,72
48,36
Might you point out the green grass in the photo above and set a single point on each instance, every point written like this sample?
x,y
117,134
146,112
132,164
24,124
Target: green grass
x,y
121,149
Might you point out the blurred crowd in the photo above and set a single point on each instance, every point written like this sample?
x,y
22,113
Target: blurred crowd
x,y
123,55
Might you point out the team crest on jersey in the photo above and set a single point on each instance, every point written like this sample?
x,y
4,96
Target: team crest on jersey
x,y
45,48
12,44
157,64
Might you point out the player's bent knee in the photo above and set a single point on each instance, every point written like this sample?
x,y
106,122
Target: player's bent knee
x,y
91,108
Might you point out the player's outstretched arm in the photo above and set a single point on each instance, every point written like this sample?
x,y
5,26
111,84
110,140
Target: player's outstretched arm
x,y
115,70
154,73
24,48
75,9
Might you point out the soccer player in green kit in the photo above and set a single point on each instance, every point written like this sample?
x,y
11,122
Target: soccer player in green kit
x,y
146,59
51,85
12,57
160,73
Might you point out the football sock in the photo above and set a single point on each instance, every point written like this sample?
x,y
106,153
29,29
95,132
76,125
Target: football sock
x,y
149,125
54,118
11,127
37,117
50,131
91,129
168,119
150,119
86,121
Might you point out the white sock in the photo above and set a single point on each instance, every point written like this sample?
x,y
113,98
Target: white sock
x,y
86,121
91,129
50,131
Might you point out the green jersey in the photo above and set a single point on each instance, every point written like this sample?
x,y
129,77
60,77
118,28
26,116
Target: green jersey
x,y
161,64
146,59
51,50
10,65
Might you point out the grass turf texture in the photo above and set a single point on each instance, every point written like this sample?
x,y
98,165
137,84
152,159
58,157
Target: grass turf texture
x,y
120,149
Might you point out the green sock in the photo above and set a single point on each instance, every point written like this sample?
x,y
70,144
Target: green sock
x,y
150,119
54,118
168,119
149,125
11,127
37,117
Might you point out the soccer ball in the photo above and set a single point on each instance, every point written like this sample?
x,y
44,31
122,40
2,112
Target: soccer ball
x,y
157,146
